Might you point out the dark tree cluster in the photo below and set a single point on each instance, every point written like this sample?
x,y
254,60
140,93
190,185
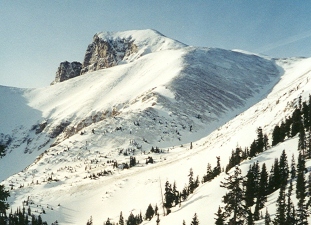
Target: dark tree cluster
x,y
298,122
2,151
212,173
173,197
21,217
260,144
250,192
156,150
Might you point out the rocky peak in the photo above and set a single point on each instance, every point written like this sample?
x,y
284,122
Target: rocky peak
x,y
67,70
108,52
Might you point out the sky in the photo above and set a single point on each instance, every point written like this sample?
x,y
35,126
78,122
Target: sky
x,y
35,36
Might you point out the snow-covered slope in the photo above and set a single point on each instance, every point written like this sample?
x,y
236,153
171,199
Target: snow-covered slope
x,y
62,134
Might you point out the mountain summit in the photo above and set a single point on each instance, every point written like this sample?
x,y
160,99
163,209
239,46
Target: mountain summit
x,y
110,49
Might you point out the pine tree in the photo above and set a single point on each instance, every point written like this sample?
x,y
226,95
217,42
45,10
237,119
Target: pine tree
x,y
260,140
296,122
305,114
301,183
169,195
149,212
191,184
183,222
283,168
2,151
290,214
220,218
4,194
176,194
308,144
276,135
267,218
302,140
262,191
209,173
249,188
309,190
280,217
271,185
302,213
89,222
108,222
158,219
293,168
253,149
217,169
195,220
121,219
234,199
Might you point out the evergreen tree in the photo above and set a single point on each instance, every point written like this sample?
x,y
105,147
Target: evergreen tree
x,y
261,197
276,135
265,141
271,184
249,188
158,219
301,183
176,194
217,169
2,151
253,149
293,168
4,194
89,222
302,213
305,113
169,195
220,218
183,222
108,222
195,220
209,173
250,219
296,122
302,140
283,169
149,212
191,184
121,219
256,172
267,218
260,140
280,217
234,199
156,209
308,144
290,209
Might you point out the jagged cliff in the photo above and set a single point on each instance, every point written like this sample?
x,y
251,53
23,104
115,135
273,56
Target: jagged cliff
x,y
105,53
67,70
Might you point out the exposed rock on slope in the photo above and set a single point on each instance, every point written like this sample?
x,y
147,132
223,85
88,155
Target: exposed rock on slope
x,y
109,49
105,53
67,70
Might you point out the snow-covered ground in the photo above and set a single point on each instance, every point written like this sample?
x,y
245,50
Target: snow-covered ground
x,y
168,98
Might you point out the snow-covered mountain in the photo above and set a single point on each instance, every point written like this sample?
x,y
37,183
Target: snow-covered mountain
x,y
160,93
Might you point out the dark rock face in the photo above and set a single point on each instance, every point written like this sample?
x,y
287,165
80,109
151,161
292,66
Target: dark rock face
x,y
67,70
107,53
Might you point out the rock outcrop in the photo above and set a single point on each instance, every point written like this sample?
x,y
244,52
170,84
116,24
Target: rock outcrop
x,y
105,53
67,70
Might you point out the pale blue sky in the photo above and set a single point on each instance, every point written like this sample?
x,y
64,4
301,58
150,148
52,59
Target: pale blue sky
x,y
35,36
